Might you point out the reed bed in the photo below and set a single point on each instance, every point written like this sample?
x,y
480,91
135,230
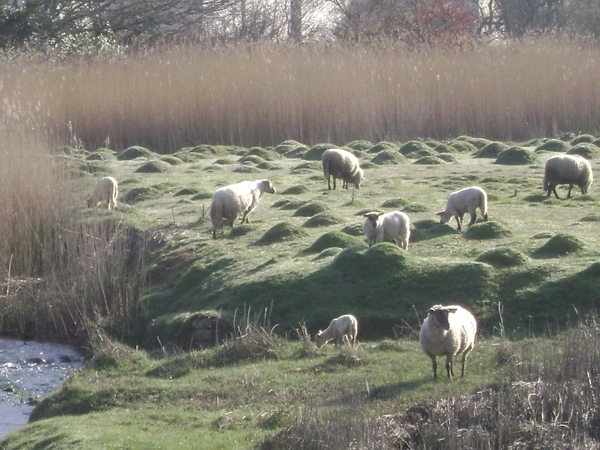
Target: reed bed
x,y
171,98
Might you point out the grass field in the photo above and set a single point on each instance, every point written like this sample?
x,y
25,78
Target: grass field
x,y
302,261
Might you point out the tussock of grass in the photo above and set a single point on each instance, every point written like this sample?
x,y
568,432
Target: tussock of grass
x,y
323,219
156,166
416,149
296,190
491,150
503,257
515,155
553,145
310,209
336,239
587,150
316,151
290,147
389,157
463,146
430,161
487,230
134,152
395,203
282,232
582,138
360,145
560,244
383,145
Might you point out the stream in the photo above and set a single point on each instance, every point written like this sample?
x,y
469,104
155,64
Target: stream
x,y
30,371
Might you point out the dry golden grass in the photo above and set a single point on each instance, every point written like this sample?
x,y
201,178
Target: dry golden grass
x,y
262,95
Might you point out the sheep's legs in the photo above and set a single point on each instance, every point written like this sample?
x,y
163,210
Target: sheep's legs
x,y
434,366
450,367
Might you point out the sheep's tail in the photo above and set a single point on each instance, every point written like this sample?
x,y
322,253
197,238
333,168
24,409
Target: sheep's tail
x,y
484,206
215,217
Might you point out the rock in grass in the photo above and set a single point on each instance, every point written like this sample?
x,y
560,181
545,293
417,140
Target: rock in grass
x,y
515,156
487,230
560,244
282,232
336,239
503,257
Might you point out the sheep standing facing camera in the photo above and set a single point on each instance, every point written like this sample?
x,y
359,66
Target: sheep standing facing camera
x,y
567,169
379,227
448,331
463,201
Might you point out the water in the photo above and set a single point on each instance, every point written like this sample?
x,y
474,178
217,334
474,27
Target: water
x,y
29,371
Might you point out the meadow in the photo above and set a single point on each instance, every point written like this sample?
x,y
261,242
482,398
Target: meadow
x,y
130,286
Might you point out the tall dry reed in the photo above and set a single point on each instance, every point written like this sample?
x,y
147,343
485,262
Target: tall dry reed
x,y
61,271
262,95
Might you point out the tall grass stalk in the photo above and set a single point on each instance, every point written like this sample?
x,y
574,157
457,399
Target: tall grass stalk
x,y
61,271
264,94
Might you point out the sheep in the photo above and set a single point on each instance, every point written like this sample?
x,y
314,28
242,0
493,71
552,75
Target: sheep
x,y
106,190
379,227
235,199
567,169
345,326
463,201
448,331
338,163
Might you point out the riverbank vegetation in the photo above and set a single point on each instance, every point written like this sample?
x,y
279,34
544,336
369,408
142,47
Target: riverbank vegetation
x,y
132,286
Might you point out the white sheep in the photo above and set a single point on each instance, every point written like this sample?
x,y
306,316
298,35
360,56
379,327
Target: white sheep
x,y
567,169
379,227
235,199
448,331
344,327
106,190
463,201
338,163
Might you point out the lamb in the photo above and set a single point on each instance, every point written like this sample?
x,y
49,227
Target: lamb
x,y
463,201
448,331
338,163
235,199
343,327
106,190
567,169
379,227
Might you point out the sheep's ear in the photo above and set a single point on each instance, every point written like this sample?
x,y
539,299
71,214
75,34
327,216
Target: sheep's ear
x,y
365,215
452,310
381,214
439,213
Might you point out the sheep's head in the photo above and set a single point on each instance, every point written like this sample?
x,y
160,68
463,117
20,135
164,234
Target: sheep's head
x,y
268,186
445,216
319,339
440,315
373,217
90,201
358,178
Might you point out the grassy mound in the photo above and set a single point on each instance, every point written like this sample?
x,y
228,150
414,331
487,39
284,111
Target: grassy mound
x,y
171,160
360,145
139,194
155,166
289,147
487,230
355,229
282,232
389,157
267,155
395,203
242,230
335,239
553,145
587,150
491,150
208,151
296,190
136,152
447,157
96,167
316,151
323,219
515,156
463,146
560,244
310,209
251,159
381,146
503,257
416,149
582,138
415,208
430,161
306,167
477,142
444,148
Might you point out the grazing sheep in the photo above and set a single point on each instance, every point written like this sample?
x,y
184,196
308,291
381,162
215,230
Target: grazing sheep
x,y
338,163
106,190
343,327
567,169
448,331
379,227
463,201
235,199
